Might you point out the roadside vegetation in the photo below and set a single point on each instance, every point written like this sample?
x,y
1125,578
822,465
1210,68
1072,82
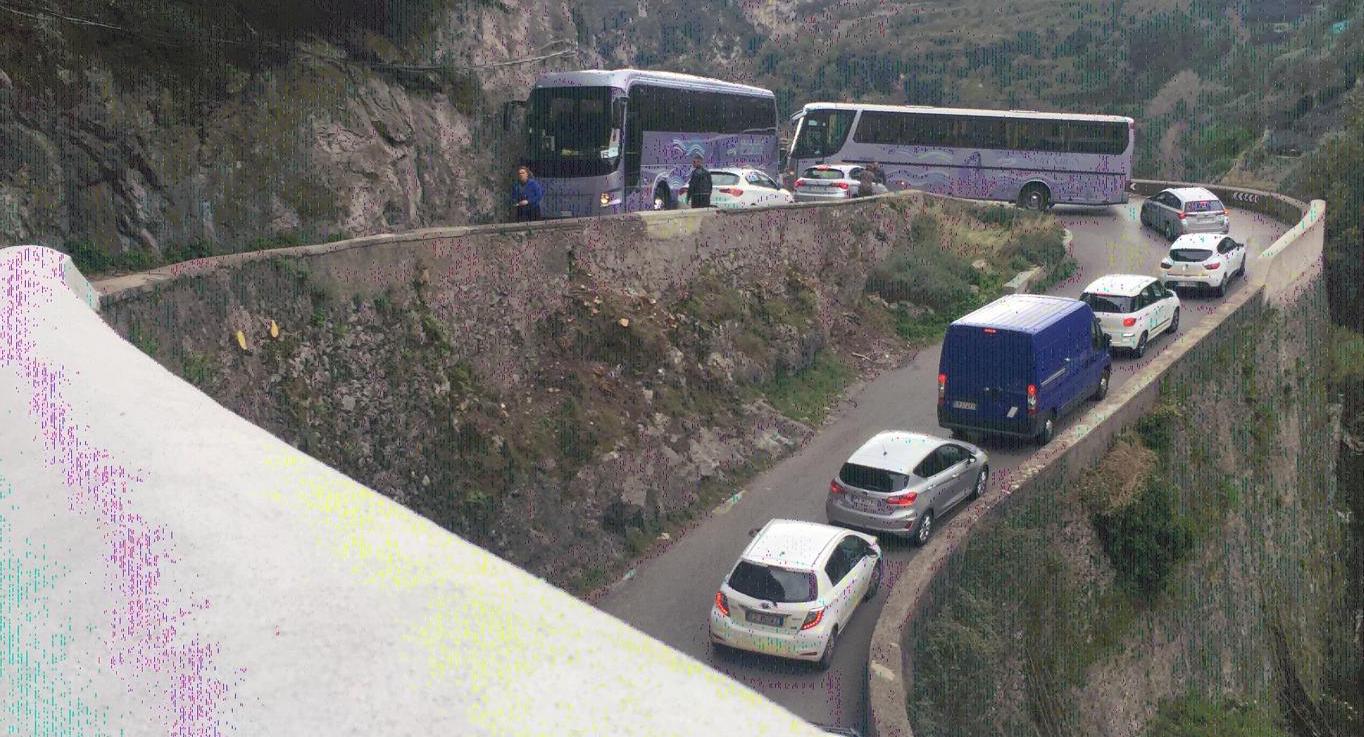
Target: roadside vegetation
x,y
1147,580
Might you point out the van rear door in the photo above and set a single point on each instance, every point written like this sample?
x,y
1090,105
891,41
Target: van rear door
x,y
986,377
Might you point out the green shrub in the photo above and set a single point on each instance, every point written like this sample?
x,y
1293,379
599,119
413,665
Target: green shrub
x,y
1198,716
1145,539
1156,427
1041,247
929,276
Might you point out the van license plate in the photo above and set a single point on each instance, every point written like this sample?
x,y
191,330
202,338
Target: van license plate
x,y
964,405
771,620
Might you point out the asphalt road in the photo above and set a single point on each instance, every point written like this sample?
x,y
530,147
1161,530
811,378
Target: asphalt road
x,y
670,595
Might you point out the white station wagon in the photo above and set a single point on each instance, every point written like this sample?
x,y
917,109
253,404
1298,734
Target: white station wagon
x,y
1132,309
794,589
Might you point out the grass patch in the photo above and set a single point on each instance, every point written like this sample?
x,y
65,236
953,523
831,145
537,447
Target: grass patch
x,y
1199,716
805,396
1146,539
1347,357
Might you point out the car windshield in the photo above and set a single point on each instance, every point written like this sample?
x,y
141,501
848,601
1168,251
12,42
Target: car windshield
x,y
872,479
1203,206
1107,302
817,173
723,178
1189,255
772,584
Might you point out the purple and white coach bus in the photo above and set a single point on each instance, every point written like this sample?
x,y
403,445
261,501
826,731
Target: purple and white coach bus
x,y
1034,159
609,141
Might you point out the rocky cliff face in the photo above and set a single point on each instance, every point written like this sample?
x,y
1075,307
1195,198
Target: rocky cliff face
x,y
330,140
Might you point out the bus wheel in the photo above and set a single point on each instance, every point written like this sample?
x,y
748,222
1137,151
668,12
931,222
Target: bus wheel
x,y
662,200
1035,197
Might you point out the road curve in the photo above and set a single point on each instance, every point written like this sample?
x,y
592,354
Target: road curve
x,y
669,596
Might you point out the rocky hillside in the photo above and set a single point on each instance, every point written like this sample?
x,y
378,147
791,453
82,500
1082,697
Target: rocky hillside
x,y
154,131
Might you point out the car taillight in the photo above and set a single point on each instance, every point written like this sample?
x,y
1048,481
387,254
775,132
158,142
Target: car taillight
x,y
835,487
1212,265
732,191
721,603
841,185
1032,399
1166,264
812,619
1128,322
1182,215
799,183
942,387
904,500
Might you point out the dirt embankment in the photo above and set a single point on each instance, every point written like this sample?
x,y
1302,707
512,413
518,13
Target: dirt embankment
x,y
562,396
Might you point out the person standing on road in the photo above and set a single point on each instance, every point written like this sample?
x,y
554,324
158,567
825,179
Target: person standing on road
x,y
698,186
527,194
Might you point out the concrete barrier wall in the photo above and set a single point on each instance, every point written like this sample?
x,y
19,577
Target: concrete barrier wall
x,y
1281,272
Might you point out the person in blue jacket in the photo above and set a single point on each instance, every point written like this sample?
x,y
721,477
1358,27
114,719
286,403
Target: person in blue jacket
x,y
527,193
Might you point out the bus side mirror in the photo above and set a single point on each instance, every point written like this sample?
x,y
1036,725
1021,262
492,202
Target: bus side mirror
x,y
507,108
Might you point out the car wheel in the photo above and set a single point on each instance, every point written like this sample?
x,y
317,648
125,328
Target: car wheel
x,y
982,479
925,529
1142,217
1048,430
1221,290
877,573
1170,232
1174,322
1140,350
1102,391
1034,197
827,658
1241,270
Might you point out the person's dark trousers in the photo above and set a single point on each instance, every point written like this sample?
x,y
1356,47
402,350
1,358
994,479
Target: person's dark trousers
x,y
527,213
700,200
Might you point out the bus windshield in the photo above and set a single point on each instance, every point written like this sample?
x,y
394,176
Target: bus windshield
x,y
571,132
822,133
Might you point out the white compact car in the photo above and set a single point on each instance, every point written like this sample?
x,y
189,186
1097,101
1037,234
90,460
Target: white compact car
x,y
739,188
1132,309
1203,261
794,589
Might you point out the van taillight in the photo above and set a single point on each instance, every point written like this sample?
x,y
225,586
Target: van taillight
x,y
1032,399
721,603
942,388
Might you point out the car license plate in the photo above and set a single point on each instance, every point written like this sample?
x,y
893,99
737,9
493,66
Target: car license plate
x,y
865,503
771,620
964,405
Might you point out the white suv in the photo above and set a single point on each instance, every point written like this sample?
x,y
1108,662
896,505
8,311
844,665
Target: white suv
x,y
1203,261
794,590
1132,309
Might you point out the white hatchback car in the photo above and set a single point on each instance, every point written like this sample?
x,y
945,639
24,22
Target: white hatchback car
x,y
1203,261
1132,309
739,188
794,589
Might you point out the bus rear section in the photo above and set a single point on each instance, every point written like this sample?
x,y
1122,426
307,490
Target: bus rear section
x,y
983,377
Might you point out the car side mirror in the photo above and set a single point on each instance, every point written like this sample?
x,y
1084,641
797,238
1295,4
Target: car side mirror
x,y
1108,340
753,531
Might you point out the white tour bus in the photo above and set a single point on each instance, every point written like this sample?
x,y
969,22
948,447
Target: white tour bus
x,y
1035,159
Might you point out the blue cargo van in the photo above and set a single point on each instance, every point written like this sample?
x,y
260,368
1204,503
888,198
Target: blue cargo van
x,y
1016,365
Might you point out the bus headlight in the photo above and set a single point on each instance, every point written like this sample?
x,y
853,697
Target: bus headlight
x,y
605,199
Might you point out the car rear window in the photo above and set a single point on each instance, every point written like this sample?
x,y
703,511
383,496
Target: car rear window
x,y
1203,206
1189,255
723,178
1107,302
773,584
813,173
872,479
